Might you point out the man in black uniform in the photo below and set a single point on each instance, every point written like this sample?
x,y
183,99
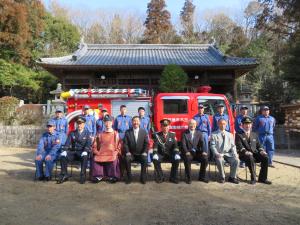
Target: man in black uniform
x,y
77,147
251,151
193,148
166,149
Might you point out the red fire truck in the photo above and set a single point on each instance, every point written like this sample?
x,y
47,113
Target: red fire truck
x,y
177,107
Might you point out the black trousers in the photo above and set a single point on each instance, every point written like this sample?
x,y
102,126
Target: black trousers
x,y
250,161
139,158
187,159
174,168
73,156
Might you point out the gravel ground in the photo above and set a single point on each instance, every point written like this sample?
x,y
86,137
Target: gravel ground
x,y
23,201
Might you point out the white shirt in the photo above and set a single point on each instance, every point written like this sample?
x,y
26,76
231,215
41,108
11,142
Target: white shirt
x,y
136,133
192,133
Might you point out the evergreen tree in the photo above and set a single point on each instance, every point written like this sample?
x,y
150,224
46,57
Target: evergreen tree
x,y
173,79
157,22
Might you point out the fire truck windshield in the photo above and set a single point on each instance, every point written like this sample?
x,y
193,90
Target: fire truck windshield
x,y
211,105
175,106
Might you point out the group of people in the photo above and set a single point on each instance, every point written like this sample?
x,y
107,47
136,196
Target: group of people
x,y
110,145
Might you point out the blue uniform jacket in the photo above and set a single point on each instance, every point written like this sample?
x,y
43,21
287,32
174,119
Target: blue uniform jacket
x,y
61,125
216,118
121,124
90,124
238,124
78,142
49,144
145,123
100,126
264,125
203,123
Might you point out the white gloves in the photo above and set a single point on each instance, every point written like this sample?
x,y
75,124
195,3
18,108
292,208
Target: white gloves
x,y
194,150
64,153
177,157
155,157
144,154
128,154
84,154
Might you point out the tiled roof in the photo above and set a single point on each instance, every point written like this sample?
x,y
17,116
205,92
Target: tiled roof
x,y
202,55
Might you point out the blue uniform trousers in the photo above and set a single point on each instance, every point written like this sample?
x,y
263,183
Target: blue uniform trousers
x,y
49,164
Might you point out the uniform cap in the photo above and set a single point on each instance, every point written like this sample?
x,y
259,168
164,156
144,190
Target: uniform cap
x,y
80,119
246,119
59,109
200,106
50,123
104,110
165,122
86,107
244,107
107,118
220,105
265,107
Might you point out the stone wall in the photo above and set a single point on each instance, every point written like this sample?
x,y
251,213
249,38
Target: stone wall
x,y
20,136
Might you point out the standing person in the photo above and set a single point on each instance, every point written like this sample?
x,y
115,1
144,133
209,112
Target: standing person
x,y
47,151
220,115
166,149
90,124
224,149
122,122
203,125
264,125
193,149
100,126
61,124
146,125
106,151
239,126
251,151
77,147
135,148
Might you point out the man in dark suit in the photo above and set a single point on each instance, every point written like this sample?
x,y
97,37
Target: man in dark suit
x,y
135,148
193,148
165,148
251,151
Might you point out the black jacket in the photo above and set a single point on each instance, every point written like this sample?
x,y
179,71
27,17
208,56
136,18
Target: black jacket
x,y
244,144
188,144
166,145
139,147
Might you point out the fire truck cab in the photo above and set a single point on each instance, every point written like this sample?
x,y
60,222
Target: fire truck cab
x,y
180,107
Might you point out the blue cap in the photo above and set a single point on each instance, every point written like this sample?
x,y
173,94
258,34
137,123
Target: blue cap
x,y
244,107
104,110
200,106
107,118
265,107
50,123
220,105
86,107
80,119
59,109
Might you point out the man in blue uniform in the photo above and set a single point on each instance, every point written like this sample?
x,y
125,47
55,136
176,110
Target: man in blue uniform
x,y
77,147
146,125
264,125
238,125
47,151
90,124
203,125
220,115
100,126
122,122
61,124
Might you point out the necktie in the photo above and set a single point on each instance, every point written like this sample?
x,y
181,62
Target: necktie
x,y
136,135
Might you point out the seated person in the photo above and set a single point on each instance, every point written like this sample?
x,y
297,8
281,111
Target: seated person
x,y
193,147
135,147
77,147
223,148
166,149
47,151
106,151
251,151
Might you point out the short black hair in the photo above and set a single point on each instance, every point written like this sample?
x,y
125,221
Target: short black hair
x,y
123,106
135,118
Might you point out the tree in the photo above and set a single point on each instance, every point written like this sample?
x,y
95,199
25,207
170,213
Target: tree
x,y
157,22
187,20
116,31
173,79
238,43
21,24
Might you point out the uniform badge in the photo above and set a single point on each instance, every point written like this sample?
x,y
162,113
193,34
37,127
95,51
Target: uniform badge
x,y
170,139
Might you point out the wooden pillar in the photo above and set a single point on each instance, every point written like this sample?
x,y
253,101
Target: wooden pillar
x,y
235,97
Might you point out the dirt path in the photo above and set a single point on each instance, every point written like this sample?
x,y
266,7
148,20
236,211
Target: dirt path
x,y
23,201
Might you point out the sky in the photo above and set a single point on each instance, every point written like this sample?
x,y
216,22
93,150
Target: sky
x,y
231,7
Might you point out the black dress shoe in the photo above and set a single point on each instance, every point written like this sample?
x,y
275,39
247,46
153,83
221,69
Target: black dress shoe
x,y
41,178
112,180
82,179
253,182
62,179
205,180
48,179
174,181
143,182
233,180
265,182
222,181
128,181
